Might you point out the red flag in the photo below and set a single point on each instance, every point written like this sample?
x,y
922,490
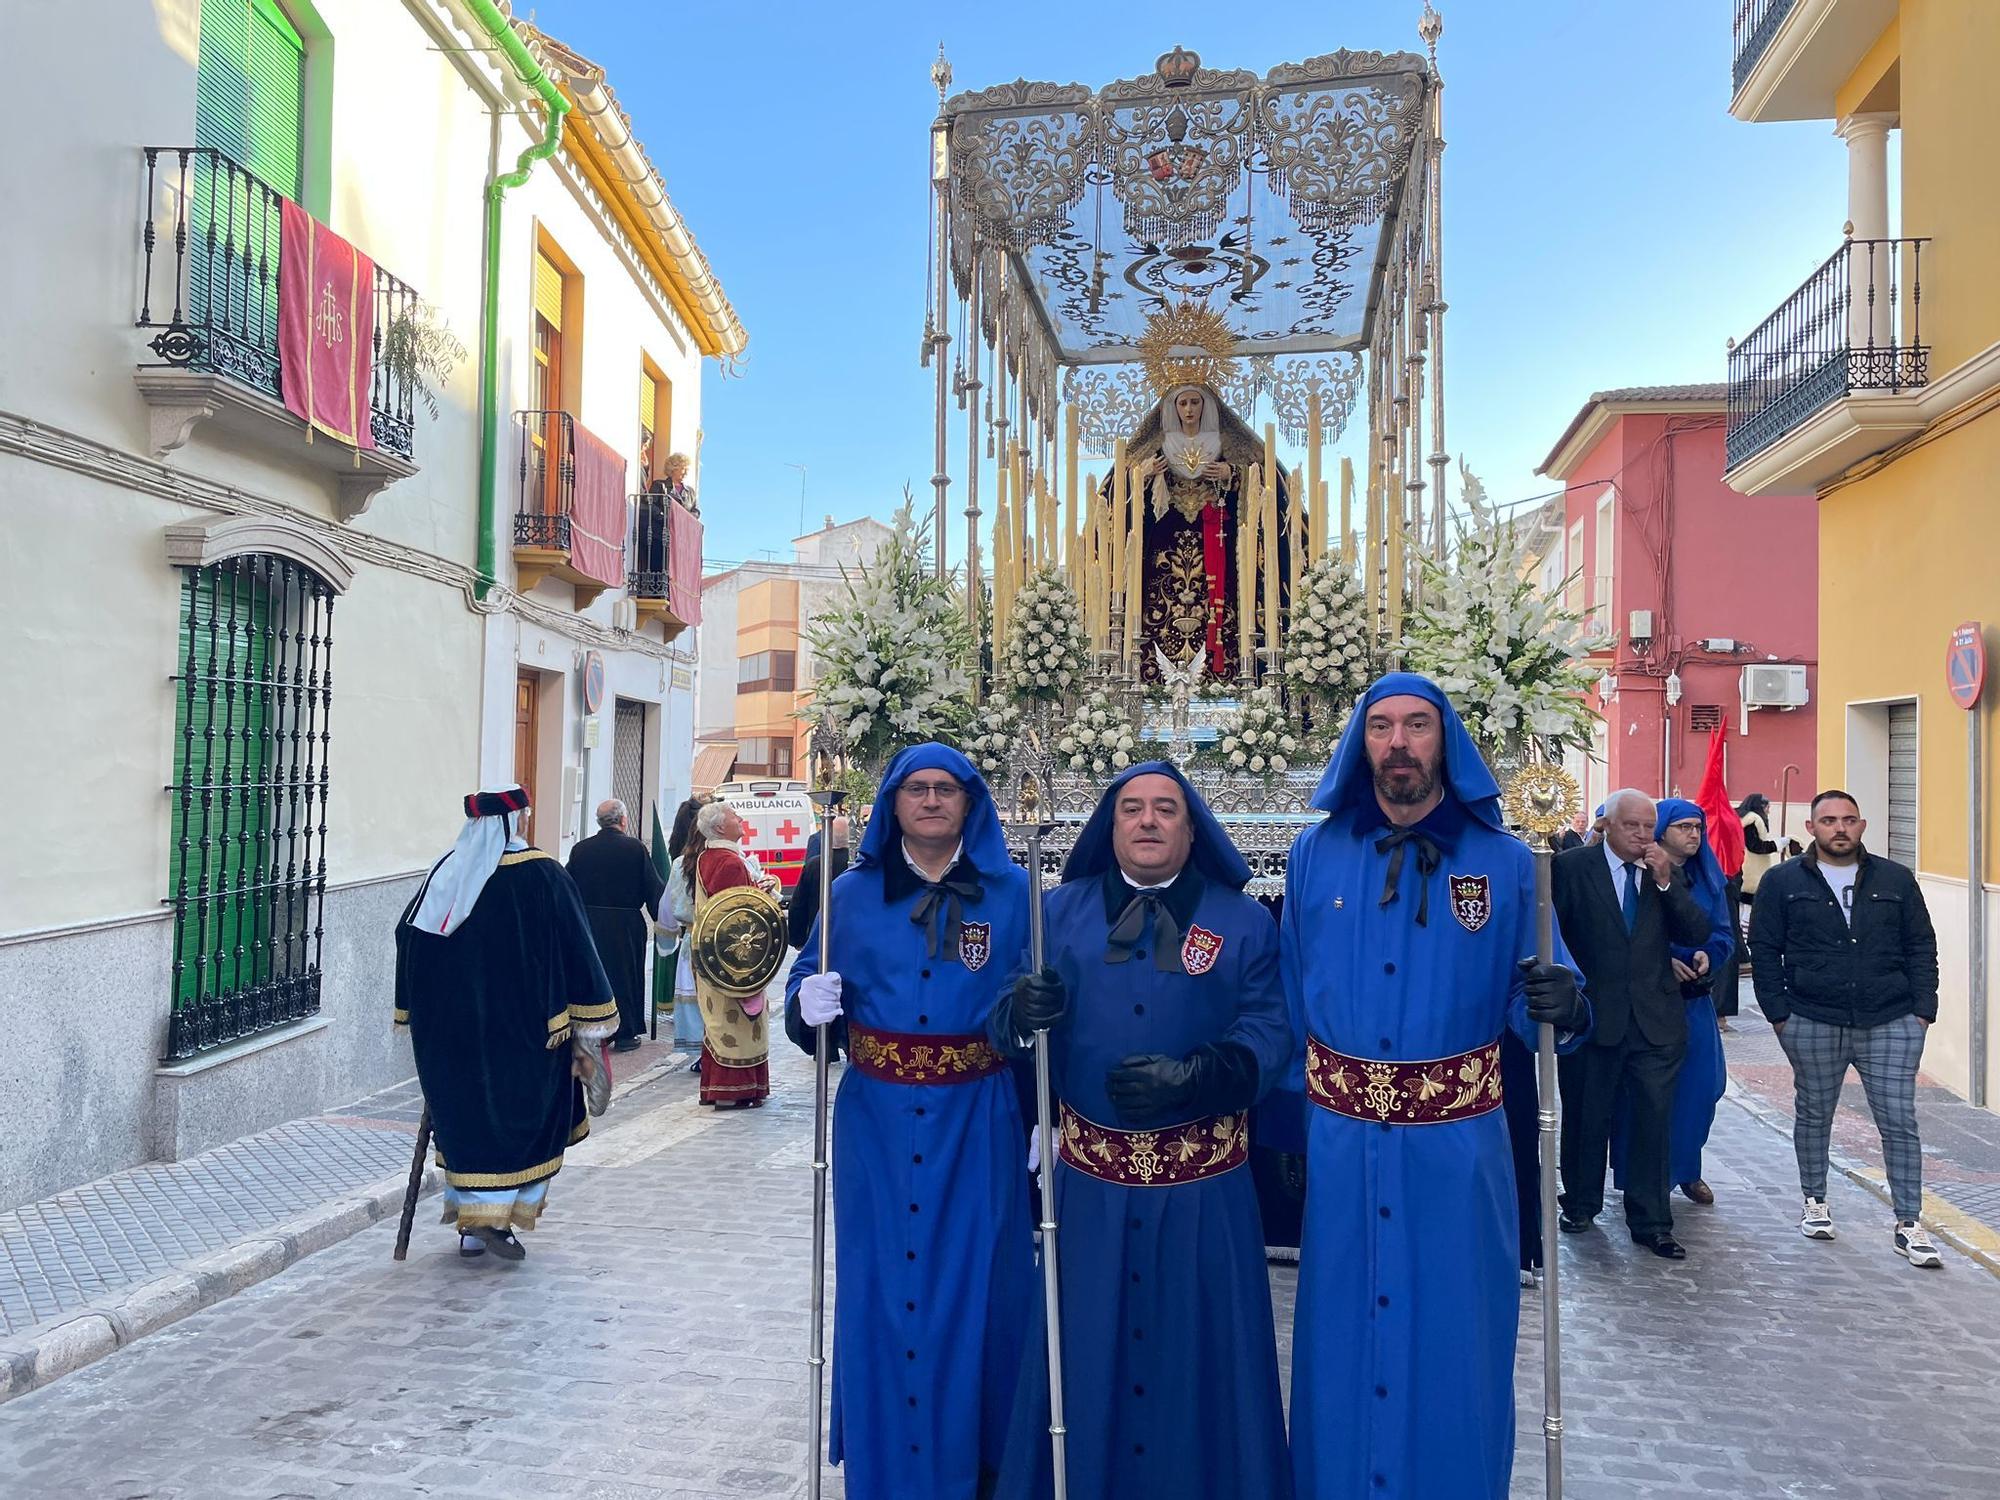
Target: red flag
x,y
1725,829
326,327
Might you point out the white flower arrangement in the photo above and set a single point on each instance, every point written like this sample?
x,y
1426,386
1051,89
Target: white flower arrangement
x,y
1099,738
1046,654
1330,649
892,653
993,736
1262,739
1509,658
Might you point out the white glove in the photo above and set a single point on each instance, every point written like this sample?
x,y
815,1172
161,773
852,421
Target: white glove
x,y
819,999
1034,1152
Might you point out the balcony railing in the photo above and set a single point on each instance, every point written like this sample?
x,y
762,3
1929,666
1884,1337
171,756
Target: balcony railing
x,y
648,545
1757,22
210,288
543,511
1856,325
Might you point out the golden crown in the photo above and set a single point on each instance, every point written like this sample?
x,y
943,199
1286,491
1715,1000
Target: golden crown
x,y
1187,345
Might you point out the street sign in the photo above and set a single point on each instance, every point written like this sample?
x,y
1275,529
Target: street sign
x,y
593,683
1965,664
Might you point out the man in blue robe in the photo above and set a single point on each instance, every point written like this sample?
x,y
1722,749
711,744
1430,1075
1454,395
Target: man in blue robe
x,y
1407,946
1681,828
933,1245
1167,1023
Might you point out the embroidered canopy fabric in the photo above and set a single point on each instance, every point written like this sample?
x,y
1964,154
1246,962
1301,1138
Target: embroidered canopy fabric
x,y
1274,201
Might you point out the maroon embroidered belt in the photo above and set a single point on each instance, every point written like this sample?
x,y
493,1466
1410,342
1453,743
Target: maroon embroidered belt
x,y
1155,1158
1434,1092
906,1057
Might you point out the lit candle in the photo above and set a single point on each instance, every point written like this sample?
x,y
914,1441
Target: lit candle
x,y
1270,529
1347,510
1314,437
1072,537
1135,572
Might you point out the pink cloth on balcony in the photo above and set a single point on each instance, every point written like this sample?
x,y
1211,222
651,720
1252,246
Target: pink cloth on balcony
x,y
326,327
597,511
684,564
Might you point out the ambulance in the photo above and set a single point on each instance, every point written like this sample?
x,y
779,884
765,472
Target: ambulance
x,y
778,818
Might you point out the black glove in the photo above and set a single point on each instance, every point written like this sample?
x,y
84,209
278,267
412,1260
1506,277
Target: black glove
x,y
1150,1088
1552,996
1039,1001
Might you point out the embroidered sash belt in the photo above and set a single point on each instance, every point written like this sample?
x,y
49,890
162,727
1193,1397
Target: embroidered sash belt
x,y
1201,1148
906,1057
1434,1092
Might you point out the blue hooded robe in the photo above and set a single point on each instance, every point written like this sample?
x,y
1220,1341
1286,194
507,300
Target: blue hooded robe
x,y
933,1244
1703,1078
1170,1361
1409,1297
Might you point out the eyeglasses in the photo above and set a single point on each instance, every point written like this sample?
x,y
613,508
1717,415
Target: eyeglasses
x,y
924,791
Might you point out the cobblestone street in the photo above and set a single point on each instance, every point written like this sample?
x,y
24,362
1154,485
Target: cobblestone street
x,y
652,1346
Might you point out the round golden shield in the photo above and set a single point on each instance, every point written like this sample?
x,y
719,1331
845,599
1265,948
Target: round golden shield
x,y
737,941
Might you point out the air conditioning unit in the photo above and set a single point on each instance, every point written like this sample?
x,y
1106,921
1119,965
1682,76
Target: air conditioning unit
x,y
1775,685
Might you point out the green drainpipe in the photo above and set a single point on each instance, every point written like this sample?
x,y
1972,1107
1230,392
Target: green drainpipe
x,y
530,73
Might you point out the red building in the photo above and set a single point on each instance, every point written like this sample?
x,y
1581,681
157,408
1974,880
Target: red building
x,y
1708,601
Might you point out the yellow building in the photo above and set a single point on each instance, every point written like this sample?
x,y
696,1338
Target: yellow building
x,y
1875,386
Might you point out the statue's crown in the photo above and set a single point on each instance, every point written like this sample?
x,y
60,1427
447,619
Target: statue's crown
x,y
1187,344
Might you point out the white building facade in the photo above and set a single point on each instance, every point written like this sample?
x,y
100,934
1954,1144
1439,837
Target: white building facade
x,y
250,669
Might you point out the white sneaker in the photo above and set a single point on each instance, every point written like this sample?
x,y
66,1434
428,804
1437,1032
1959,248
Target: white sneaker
x,y
1915,1246
1816,1223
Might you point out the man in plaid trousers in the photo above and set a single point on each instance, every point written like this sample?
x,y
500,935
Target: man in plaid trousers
x,y
1846,970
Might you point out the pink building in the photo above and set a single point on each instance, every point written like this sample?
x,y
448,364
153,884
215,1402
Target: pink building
x,y
1708,601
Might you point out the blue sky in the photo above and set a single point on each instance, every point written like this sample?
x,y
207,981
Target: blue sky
x,y
1607,223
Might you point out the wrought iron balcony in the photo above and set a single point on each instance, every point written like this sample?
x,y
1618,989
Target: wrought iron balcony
x,y
571,519
210,287
1856,325
649,553
1757,22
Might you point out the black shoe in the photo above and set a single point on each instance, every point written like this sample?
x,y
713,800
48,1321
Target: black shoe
x,y
1663,1245
1570,1223
626,1044
502,1243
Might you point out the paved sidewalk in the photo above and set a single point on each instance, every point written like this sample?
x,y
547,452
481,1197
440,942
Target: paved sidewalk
x,y
653,1345
1961,1143
108,1261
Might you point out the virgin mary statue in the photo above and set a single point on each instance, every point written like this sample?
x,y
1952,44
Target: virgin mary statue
x,y
1190,461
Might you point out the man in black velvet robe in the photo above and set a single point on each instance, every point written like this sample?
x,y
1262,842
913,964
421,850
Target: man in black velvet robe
x,y
500,985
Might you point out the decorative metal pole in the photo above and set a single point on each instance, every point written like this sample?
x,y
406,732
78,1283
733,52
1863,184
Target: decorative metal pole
x,y
826,798
940,330
1030,820
1540,800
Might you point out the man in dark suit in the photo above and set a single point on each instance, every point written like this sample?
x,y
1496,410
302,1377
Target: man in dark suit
x,y
804,910
1620,907
615,875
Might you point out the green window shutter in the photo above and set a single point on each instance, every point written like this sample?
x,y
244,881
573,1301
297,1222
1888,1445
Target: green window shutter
x,y
249,106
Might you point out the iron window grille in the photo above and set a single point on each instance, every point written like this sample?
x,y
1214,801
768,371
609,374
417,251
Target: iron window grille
x,y
247,861
547,500
209,287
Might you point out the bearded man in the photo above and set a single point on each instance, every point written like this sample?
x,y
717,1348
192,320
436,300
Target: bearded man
x,y
1407,946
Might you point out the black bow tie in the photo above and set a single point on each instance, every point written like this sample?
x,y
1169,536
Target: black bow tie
x,y
1131,925
1392,844
943,898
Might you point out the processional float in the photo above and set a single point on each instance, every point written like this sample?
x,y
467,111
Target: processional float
x,y
1273,242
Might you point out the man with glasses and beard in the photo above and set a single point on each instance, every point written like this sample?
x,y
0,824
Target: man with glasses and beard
x,y
1407,946
933,1246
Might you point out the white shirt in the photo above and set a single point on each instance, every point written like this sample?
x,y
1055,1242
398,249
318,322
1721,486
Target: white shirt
x,y
1162,886
1842,878
911,860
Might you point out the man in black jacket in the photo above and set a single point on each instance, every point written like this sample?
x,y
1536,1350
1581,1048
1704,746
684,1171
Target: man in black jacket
x,y
1846,969
804,910
1620,906
615,875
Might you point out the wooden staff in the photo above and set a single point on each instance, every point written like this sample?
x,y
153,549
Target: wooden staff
x,y
416,1185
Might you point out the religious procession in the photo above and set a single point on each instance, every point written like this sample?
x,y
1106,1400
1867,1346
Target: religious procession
x,y
1205,953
